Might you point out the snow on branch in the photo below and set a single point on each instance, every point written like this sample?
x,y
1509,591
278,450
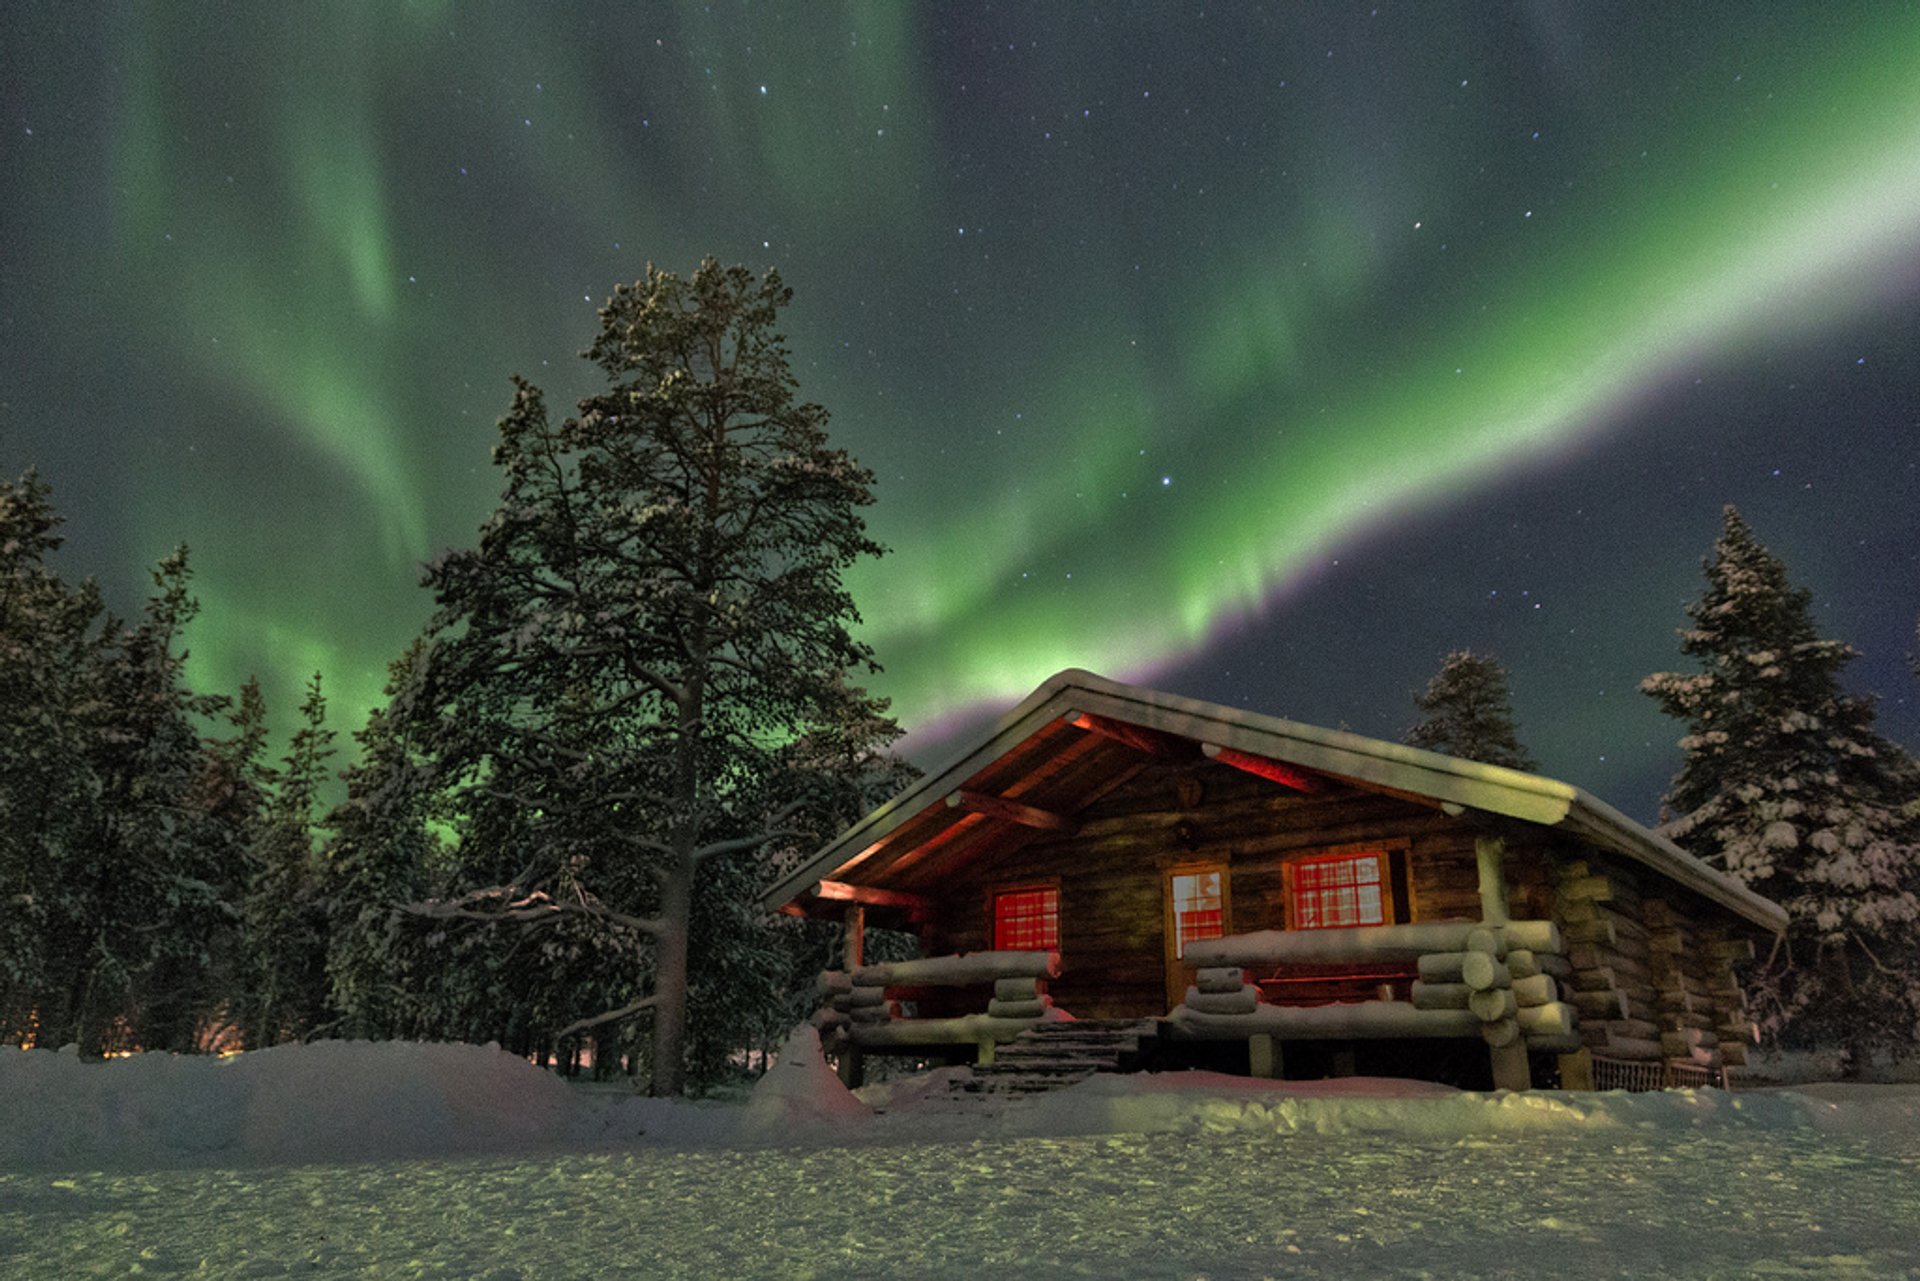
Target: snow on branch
x,y
535,907
609,1016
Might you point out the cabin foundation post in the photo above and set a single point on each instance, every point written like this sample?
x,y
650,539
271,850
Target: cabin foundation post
x,y
1576,1070
984,1054
1510,1068
853,1060
1263,1057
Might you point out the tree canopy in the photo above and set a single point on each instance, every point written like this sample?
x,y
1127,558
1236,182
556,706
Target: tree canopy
x,y
1787,786
616,677
1469,713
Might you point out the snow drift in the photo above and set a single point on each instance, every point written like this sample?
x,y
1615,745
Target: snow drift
x,y
360,1101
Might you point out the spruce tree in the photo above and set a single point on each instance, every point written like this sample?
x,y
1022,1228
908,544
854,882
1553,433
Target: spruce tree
x,y
1469,713
654,610
46,784
281,912
1786,786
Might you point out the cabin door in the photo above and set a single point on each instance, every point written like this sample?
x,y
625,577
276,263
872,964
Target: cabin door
x,y
1197,909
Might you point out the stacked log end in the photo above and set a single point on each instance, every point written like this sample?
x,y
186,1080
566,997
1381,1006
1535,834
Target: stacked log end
x,y
1605,981
1018,998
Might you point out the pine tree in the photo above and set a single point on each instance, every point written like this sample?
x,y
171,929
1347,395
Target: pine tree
x,y
283,918
653,611
1786,786
46,786
383,855
1469,713
148,877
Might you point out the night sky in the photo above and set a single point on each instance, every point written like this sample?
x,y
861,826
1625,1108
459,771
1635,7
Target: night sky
x,y
1263,353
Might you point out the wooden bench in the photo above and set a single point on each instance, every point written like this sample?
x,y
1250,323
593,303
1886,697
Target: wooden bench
x,y
1338,984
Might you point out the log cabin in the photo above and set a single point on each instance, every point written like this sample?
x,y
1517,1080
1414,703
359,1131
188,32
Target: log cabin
x,y
1249,893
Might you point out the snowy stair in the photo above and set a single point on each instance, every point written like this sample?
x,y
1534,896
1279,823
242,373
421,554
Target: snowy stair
x,y
1049,1056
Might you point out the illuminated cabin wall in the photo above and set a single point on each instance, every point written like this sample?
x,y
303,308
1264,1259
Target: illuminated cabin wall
x,y
1112,871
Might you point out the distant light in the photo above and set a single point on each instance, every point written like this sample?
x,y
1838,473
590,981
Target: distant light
x,y
763,91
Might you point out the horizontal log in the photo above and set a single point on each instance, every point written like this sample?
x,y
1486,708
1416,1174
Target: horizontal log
x,y
1230,978
1677,1045
1490,1005
1586,888
1536,989
1525,963
1363,1020
1566,1044
1487,941
1016,989
1359,943
1240,1002
862,997
831,981
825,1019
1552,1019
1029,1009
960,971
1598,931
1731,949
1441,967
1733,1053
1609,1004
1633,1029
1441,996
1631,1047
875,1013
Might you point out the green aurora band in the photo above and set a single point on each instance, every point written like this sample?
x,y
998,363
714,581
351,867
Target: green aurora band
x,y
363,332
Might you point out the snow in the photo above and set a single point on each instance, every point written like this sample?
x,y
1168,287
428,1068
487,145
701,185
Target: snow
x,y
391,1159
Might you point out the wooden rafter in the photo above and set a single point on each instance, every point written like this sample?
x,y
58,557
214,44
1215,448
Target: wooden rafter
x,y
1151,741
1013,811
1266,767
872,896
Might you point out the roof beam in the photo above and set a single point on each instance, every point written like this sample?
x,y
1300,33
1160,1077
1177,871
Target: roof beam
x,y
1151,741
872,896
1013,811
1266,767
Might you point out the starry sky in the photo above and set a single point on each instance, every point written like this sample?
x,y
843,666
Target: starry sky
x,y
1261,352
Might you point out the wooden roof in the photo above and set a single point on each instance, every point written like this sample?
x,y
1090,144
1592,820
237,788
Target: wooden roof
x,y
1079,736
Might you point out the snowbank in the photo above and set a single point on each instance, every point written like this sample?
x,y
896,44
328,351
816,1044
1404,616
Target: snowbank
x,y
358,1101
330,1101
799,1095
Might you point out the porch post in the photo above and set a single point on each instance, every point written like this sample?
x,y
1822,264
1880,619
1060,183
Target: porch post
x,y
1490,853
853,1060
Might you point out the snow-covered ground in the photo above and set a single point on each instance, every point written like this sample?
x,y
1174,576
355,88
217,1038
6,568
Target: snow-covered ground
x,y
404,1160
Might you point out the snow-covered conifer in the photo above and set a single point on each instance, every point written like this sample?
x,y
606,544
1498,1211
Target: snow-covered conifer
x,y
653,610
1469,713
1787,786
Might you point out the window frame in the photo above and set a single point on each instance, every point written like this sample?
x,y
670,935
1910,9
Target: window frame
x,y
994,893
1393,855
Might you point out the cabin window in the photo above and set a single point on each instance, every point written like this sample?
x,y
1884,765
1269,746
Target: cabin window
x,y
1027,919
1337,890
1199,908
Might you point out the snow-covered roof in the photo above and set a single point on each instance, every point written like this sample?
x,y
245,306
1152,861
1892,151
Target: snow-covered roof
x,y
1026,742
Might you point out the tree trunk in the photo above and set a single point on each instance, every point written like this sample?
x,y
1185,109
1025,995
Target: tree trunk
x,y
670,985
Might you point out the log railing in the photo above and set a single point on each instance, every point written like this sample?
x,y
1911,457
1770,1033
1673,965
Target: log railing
x,y
1498,981
860,1005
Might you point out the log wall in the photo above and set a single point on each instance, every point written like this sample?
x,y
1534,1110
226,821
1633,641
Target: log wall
x,y
1111,873
1653,973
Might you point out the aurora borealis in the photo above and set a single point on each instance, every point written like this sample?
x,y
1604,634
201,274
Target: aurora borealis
x,y
1265,352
